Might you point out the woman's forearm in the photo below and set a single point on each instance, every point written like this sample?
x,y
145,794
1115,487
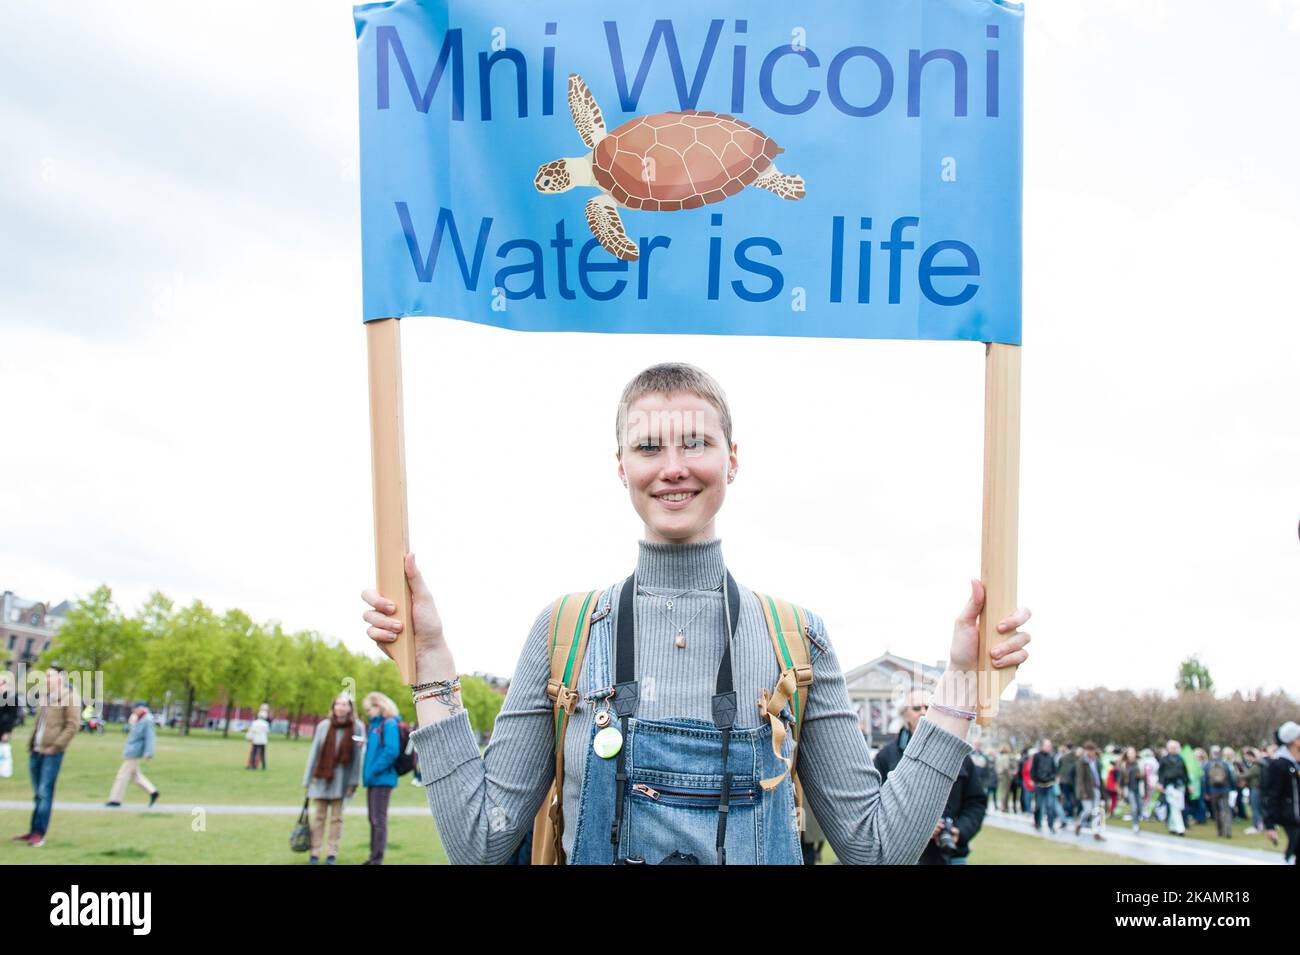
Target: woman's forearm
x,y
484,803
953,692
438,665
865,822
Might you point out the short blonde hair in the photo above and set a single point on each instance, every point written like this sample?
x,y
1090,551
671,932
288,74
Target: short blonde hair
x,y
385,703
669,378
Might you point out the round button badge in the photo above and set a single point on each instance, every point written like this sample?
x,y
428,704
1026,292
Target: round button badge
x,y
607,742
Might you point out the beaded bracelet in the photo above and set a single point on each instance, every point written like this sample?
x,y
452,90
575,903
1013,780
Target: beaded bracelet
x,y
436,684
445,689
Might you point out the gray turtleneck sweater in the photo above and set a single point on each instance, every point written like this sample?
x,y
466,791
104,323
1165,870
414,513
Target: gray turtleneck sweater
x,y
485,804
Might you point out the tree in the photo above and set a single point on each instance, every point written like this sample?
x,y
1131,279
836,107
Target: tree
x,y
242,664
380,674
156,614
1193,677
481,701
96,638
188,657
149,624
1146,718
277,655
310,677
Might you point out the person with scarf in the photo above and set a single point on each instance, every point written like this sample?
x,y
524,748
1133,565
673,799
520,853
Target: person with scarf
x,y
333,768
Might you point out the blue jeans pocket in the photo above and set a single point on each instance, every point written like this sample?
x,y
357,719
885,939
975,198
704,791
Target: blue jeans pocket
x,y
679,811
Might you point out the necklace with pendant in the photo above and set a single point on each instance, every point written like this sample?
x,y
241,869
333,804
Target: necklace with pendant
x,y
668,598
680,640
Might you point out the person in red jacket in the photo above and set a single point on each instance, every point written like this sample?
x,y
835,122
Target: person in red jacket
x,y
1026,783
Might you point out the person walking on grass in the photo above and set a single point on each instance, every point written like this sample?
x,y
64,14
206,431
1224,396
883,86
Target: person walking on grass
x,y
1065,773
1194,759
1237,798
1252,779
139,745
8,720
259,731
1026,783
58,717
1043,772
1133,780
1005,766
1092,795
1282,792
1172,775
380,775
1219,783
333,769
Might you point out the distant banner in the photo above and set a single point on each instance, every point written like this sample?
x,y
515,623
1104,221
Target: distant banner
x,y
840,170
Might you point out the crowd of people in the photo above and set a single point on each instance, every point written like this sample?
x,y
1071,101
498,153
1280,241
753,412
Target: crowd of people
x,y
1084,785
345,752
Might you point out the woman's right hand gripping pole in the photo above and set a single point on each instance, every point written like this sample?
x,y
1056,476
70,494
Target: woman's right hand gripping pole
x,y
433,660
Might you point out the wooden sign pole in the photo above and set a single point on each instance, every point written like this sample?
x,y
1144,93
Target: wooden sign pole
x,y
388,474
1001,514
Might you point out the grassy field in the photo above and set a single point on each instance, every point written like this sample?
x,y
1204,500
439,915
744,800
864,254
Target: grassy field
x,y
78,838
187,771
193,772
205,769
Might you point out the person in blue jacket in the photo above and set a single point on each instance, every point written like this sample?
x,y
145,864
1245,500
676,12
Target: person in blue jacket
x,y
379,774
139,745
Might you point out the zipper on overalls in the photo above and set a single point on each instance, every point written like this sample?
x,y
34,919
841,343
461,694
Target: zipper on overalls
x,y
703,795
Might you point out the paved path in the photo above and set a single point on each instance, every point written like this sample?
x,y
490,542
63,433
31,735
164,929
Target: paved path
x,y
1153,847
188,808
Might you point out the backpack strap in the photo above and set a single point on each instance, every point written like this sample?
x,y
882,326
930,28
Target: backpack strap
x,y
571,618
786,627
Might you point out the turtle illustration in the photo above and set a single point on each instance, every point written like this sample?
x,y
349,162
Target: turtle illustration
x,y
661,163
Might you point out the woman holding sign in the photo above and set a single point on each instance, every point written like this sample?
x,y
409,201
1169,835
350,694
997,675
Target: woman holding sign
x,y
678,737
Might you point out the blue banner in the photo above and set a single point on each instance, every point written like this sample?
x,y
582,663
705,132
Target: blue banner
x,y
843,170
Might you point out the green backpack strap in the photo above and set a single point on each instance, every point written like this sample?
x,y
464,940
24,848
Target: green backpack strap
x,y
571,618
786,625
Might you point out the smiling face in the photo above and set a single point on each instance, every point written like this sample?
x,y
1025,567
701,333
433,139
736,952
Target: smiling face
x,y
342,706
676,463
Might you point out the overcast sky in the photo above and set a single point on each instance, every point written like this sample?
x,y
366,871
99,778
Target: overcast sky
x,y
182,363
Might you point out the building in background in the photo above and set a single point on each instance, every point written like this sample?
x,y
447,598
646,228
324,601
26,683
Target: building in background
x,y
27,627
876,689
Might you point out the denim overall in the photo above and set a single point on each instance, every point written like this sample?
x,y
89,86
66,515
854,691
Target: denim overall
x,y
674,781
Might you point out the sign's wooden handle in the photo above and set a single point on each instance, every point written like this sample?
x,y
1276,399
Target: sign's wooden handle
x,y
1001,515
388,473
